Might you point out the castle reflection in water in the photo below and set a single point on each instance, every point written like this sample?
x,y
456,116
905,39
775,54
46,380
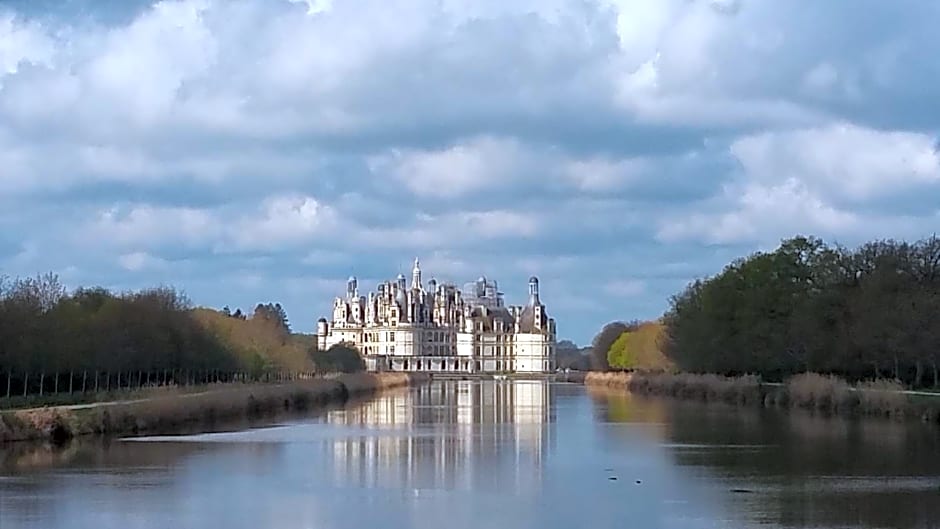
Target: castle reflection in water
x,y
454,434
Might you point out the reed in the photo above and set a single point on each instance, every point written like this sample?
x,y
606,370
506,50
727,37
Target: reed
x,y
171,413
809,391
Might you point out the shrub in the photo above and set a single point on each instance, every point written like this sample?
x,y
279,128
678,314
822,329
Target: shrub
x,y
821,392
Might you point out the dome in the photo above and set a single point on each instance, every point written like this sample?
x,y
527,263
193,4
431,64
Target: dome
x,y
352,279
401,277
533,279
322,320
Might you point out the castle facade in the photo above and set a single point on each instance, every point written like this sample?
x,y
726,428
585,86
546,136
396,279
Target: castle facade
x,y
442,328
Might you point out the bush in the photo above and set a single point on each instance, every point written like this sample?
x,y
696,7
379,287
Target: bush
x,y
339,359
821,392
882,397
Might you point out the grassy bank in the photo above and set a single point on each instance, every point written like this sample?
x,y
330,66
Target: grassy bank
x,y
809,391
173,412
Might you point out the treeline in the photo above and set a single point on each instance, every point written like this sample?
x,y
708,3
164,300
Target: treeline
x,y
629,345
47,333
569,356
868,312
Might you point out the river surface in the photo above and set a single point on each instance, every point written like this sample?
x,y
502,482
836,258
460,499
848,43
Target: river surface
x,y
516,454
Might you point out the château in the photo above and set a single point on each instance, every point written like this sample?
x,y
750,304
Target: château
x,y
442,328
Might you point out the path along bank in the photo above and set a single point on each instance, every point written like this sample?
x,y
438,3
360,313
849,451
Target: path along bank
x,y
824,393
174,412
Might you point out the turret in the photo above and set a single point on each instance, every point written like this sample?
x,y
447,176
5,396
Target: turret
x,y
416,275
323,329
352,288
534,292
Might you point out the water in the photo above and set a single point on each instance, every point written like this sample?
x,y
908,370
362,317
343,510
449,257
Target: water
x,y
493,455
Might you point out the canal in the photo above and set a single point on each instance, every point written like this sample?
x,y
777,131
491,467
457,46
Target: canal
x,y
492,454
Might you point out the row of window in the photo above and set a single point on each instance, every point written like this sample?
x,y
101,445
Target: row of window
x,y
389,336
443,350
456,365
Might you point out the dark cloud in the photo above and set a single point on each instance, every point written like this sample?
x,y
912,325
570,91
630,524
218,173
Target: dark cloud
x,y
251,152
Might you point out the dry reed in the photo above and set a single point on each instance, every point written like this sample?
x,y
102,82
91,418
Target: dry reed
x,y
171,413
810,391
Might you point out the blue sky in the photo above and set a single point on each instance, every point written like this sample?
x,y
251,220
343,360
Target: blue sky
x,y
265,150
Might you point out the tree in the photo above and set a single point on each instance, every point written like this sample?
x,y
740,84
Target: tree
x,y
640,347
274,313
340,359
620,354
859,313
569,356
601,343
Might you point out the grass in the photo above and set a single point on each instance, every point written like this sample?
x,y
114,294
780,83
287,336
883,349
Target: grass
x,y
808,391
171,412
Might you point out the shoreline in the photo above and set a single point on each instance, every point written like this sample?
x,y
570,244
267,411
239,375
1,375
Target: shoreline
x,y
169,414
808,391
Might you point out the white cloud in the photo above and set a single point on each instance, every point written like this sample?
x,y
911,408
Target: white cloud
x,y
474,166
140,261
600,174
21,42
281,221
842,160
284,221
465,228
758,213
153,226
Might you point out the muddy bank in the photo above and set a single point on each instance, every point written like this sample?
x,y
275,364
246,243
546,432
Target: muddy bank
x,y
808,391
173,413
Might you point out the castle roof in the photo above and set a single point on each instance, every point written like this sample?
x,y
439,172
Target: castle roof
x,y
527,321
490,315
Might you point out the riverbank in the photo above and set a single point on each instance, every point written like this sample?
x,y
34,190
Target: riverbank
x,y
809,391
171,413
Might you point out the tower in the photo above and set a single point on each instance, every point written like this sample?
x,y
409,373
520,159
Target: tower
x,y
416,275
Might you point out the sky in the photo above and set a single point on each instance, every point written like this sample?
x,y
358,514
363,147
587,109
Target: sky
x,y
265,150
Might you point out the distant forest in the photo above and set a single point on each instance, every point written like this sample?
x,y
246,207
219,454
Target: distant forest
x,y
46,330
867,312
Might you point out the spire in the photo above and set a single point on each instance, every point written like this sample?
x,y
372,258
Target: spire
x,y
416,275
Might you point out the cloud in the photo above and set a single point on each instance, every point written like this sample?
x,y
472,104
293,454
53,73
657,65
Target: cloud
x,y
478,165
842,160
140,261
625,287
599,174
758,213
153,226
21,42
616,148
842,180
283,220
